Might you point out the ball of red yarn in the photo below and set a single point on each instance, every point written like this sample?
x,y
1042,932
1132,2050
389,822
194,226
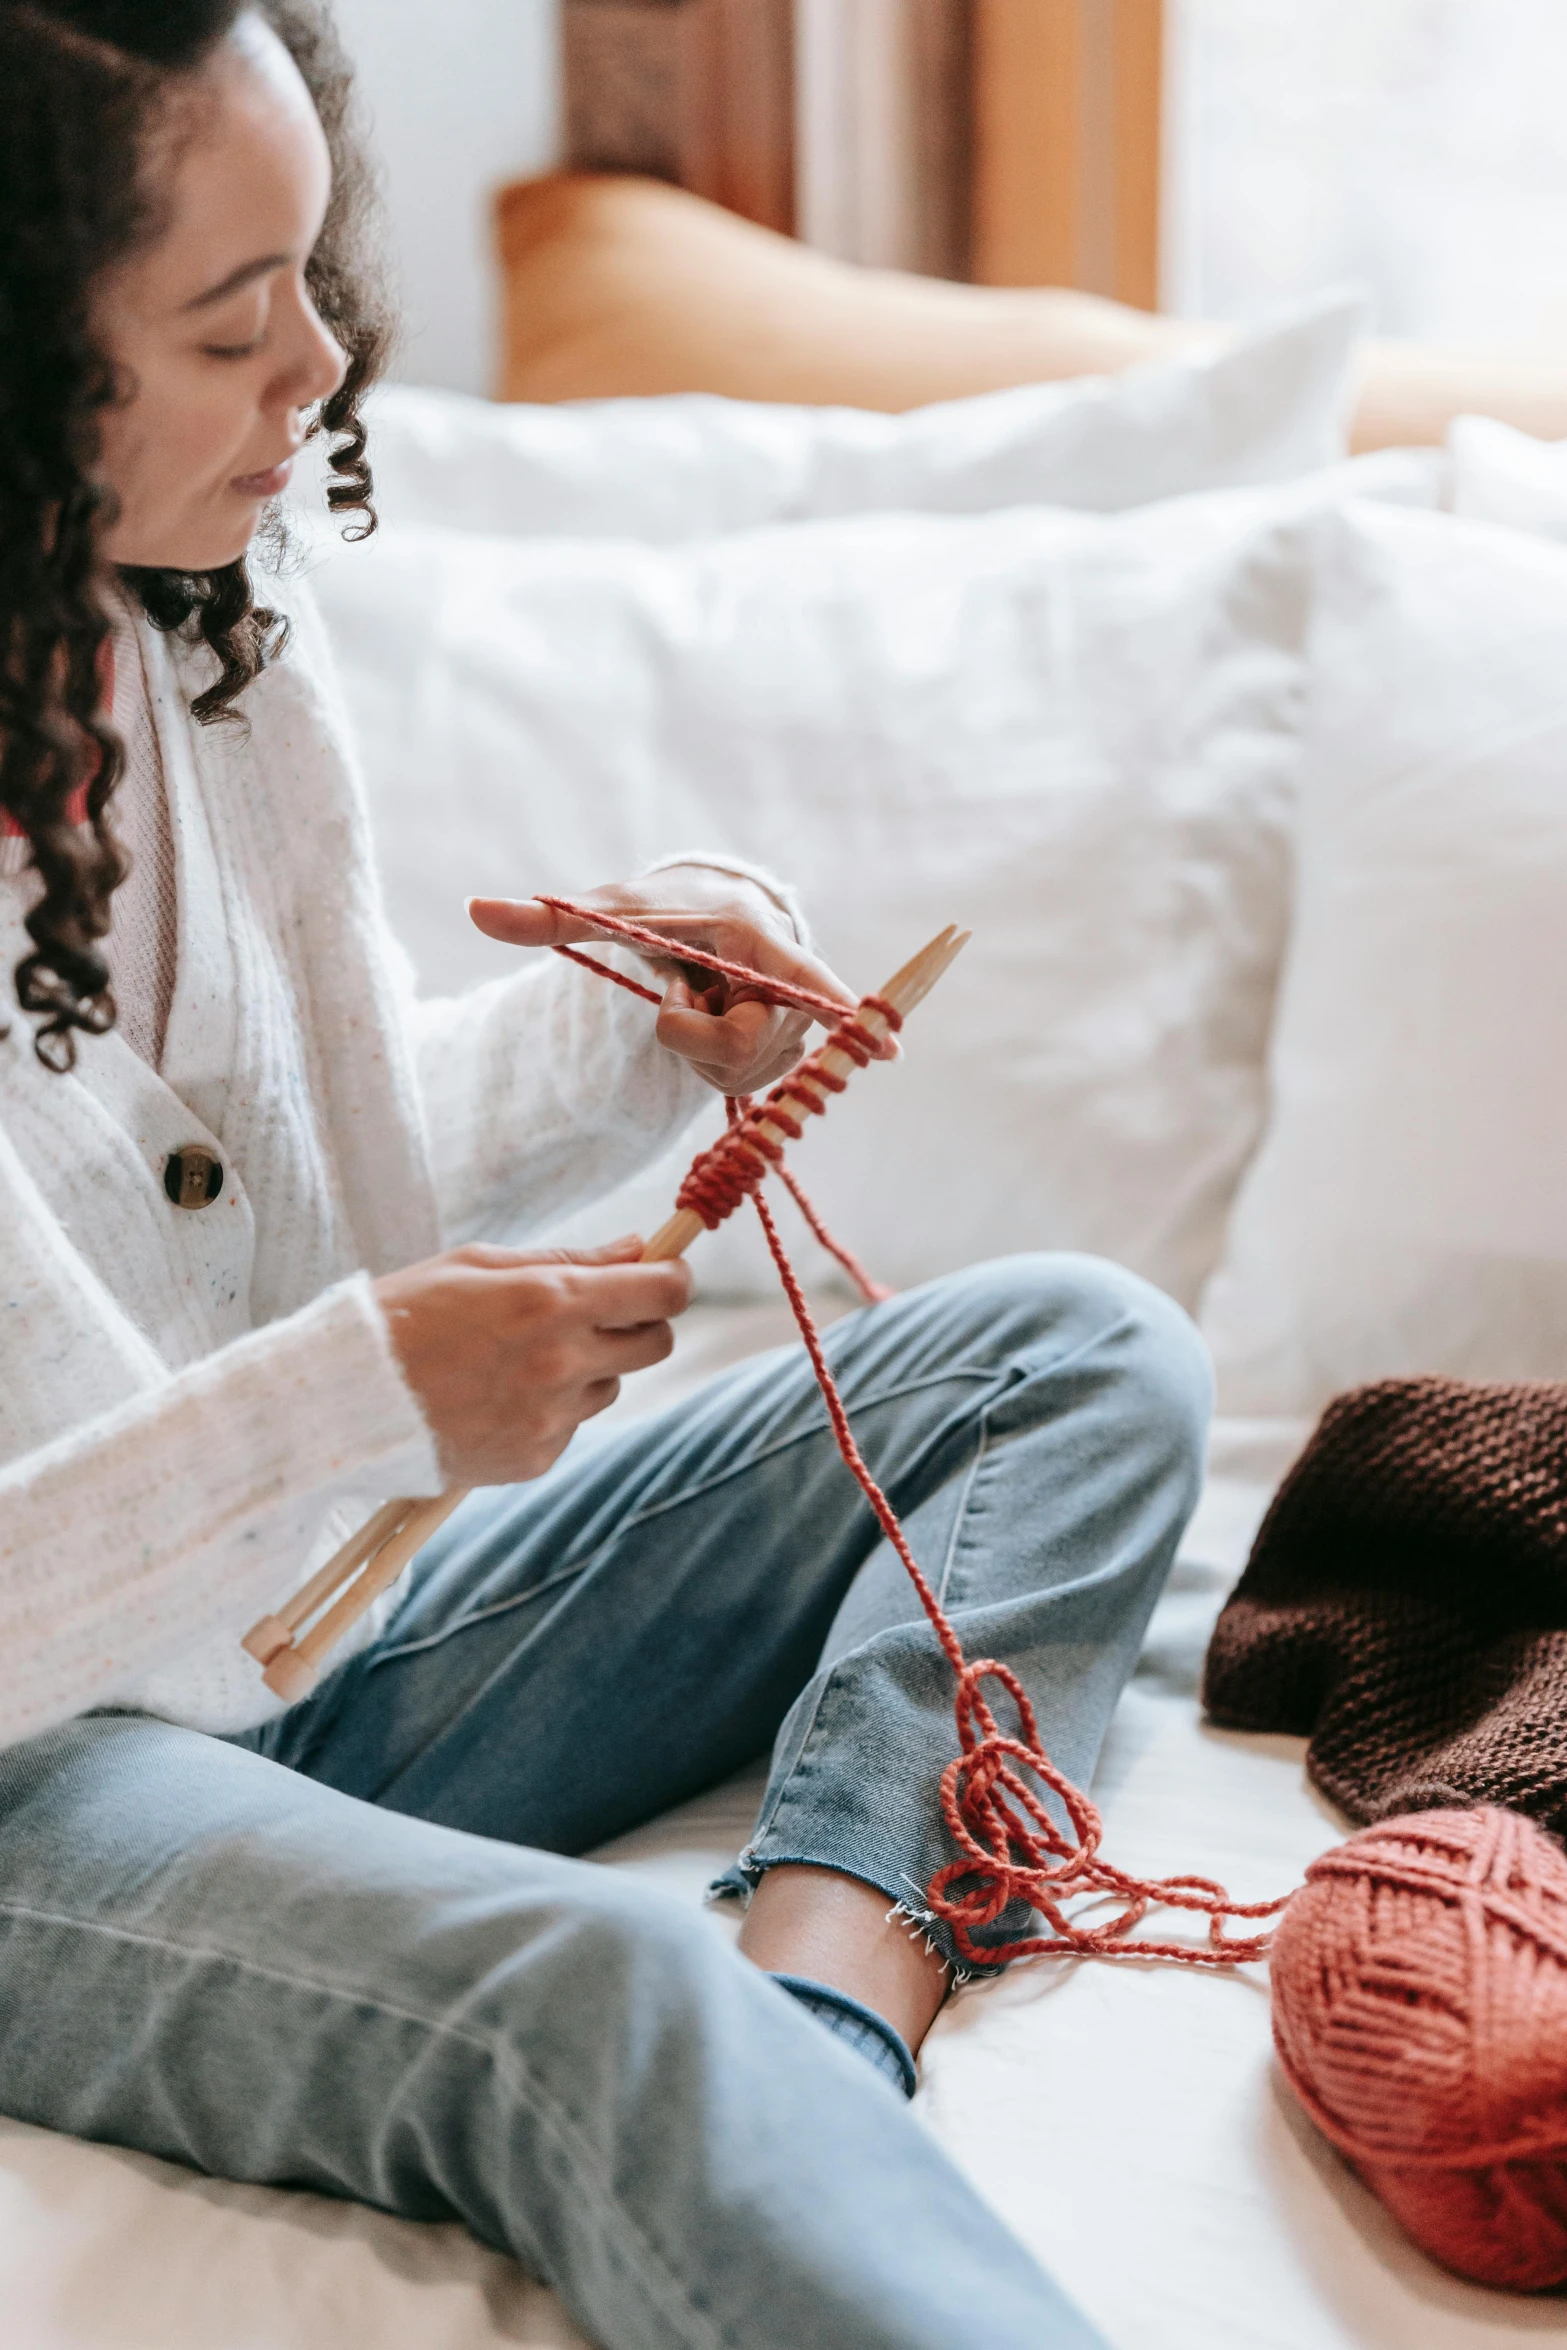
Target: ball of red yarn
x,y
1420,2013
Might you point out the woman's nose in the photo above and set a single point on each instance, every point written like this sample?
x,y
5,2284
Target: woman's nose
x,y
316,365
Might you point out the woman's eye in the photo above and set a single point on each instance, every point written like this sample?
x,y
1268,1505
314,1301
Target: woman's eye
x,y
247,323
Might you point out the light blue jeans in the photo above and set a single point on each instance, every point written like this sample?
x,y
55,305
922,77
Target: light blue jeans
x,y
349,1951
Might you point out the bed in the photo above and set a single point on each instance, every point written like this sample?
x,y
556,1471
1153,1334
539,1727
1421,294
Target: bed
x,y
1167,715
1127,2121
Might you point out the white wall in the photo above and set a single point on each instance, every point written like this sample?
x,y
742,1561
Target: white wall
x,y
463,95
1414,145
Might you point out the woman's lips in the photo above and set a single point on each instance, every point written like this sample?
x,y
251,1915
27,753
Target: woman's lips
x,y
270,484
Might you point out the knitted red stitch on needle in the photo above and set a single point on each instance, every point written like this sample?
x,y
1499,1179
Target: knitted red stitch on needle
x,y
1011,1849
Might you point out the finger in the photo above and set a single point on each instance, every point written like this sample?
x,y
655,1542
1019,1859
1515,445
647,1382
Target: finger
x,y
732,1081
622,1297
762,1079
528,922
598,1396
487,1256
618,1352
484,1257
683,994
731,1042
769,955
782,958
760,1057
794,1034
779,958
525,922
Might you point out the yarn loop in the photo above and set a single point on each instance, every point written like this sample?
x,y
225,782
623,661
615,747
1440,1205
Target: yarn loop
x,y
1012,1851
746,1153
1419,1976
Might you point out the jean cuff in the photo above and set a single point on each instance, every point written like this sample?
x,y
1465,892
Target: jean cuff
x,y
740,1880
889,2040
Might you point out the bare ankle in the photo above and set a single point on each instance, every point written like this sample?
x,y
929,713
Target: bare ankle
x,y
836,1929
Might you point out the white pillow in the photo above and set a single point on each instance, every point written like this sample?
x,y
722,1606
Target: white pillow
x,y
1270,405
1076,733
1505,476
1408,1208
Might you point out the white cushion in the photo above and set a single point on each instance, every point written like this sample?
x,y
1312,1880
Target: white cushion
x,y
1076,733
1507,477
1269,406
1408,1208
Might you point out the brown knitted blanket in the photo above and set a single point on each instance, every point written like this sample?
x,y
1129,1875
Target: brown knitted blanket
x,y
1405,1603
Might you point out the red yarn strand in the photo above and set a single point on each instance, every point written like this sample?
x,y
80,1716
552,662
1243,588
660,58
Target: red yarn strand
x,y
720,1177
874,1292
649,995
780,991
1010,1846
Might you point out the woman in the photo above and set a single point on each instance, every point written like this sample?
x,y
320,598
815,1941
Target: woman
x,y
342,1945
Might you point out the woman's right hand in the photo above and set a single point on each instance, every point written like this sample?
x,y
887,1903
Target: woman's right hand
x,y
508,1352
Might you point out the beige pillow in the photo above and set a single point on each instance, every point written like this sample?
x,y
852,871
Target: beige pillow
x,y
616,285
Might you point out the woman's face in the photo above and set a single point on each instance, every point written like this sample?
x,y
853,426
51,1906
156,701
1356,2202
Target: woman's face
x,y
219,345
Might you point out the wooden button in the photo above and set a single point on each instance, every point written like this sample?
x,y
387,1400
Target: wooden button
x,y
192,1177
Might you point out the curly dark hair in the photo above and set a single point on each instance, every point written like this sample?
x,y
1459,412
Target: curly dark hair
x,y
83,85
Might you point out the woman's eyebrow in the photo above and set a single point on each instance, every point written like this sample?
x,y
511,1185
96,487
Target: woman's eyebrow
x,y
239,277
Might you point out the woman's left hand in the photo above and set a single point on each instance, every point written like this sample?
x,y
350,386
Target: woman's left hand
x,y
739,1045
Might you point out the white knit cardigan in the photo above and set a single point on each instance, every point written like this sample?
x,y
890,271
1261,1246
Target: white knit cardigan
x,y
195,1406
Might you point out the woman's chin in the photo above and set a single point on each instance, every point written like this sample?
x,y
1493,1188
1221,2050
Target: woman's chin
x,y
212,548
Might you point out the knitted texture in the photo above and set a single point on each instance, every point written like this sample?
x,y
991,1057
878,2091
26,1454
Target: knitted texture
x,y
1420,2014
1405,1603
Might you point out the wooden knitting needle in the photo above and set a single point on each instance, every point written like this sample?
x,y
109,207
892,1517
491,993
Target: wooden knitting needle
x,y
267,1637
903,991
291,1671
372,1561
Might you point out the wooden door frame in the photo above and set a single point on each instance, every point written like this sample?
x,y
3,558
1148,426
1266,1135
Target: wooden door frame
x,y
1031,152
1068,138
700,92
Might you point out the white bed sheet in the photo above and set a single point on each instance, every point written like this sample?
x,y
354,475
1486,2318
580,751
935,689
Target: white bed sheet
x,y
1126,2121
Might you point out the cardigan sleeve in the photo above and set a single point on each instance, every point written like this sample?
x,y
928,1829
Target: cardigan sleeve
x,y
543,1091
164,1525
